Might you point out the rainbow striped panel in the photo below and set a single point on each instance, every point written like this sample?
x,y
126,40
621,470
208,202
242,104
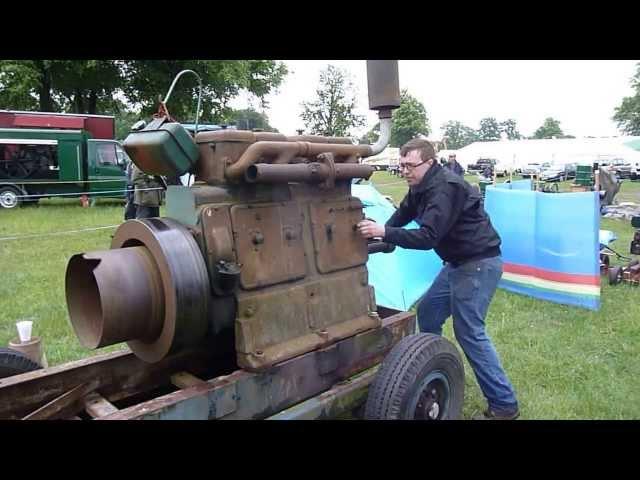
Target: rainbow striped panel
x,y
549,244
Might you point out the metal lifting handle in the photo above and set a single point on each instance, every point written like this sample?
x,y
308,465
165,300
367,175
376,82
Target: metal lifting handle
x,y
173,84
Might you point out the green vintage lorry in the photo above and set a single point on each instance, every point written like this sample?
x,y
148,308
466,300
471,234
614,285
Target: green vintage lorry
x,y
45,155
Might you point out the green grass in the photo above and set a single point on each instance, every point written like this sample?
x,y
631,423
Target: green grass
x,y
34,268
565,362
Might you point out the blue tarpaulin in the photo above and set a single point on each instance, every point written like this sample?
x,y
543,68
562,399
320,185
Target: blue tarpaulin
x,y
516,185
549,245
399,278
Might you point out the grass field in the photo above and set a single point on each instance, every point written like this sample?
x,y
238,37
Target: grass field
x,y
565,362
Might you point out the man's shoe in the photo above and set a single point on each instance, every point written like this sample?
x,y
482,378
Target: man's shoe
x,y
490,414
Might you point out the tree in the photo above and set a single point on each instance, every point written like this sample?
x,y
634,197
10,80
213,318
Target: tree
x,y
409,120
489,130
148,80
458,135
627,115
249,119
93,86
78,86
332,112
26,85
87,86
124,120
372,135
509,127
549,129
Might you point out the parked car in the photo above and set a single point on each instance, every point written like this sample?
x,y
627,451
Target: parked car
x,y
621,167
502,169
531,169
558,173
481,165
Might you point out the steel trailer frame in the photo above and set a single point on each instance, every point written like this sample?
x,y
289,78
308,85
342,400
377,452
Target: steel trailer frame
x,y
118,386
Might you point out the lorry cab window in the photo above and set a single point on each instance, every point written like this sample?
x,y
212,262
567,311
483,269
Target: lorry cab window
x,y
107,154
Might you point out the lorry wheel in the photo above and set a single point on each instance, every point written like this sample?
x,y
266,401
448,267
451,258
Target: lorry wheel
x,y
422,378
9,197
615,275
13,362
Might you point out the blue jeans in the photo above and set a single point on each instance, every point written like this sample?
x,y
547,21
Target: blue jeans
x,y
465,293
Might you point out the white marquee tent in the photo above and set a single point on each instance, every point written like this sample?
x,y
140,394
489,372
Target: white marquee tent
x,y
517,153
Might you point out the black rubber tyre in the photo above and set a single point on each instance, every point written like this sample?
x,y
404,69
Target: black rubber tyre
x,y
422,378
13,362
615,275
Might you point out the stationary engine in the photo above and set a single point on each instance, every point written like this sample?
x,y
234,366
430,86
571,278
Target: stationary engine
x,y
262,250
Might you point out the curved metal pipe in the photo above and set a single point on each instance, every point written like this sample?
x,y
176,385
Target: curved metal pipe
x,y
285,151
173,84
290,149
304,172
383,139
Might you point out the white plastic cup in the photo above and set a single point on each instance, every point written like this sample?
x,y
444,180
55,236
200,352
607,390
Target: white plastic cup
x,y
24,330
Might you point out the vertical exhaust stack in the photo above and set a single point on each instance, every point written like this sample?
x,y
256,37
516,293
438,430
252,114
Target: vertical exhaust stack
x,y
384,96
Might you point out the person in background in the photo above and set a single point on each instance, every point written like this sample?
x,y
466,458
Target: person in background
x,y
487,173
454,166
148,193
130,207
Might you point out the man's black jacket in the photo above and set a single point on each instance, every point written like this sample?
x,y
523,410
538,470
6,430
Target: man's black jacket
x,y
455,168
451,217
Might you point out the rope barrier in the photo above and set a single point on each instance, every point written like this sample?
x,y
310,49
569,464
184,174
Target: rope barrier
x,y
54,182
52,234
77,194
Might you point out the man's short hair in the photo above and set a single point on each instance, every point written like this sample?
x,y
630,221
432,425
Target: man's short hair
x,y
423,146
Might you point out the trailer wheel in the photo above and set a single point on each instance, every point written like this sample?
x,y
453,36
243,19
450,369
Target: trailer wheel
x,y
422,378
9,197
13,362
615,275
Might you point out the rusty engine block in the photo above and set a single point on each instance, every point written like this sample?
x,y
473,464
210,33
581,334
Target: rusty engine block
x,y
262,251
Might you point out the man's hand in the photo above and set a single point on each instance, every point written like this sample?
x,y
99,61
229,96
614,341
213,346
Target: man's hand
x,y
370,229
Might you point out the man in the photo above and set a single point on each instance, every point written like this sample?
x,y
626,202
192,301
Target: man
x,y
147,195
130,207
453,222
454,166
487,172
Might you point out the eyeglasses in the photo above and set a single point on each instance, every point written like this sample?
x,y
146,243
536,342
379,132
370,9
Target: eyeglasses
x,y
410,167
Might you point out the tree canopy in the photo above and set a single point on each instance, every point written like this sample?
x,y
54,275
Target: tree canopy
x,y
409,120
108,86
549,129
332,112
250,119
457,135
510,128
489,130
627,115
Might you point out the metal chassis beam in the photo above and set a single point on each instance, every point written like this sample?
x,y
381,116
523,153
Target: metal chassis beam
x,y
344,396
246,395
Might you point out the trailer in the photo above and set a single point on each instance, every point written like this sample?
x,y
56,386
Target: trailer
x,y
325,383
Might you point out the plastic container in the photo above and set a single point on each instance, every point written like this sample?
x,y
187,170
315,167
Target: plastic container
x,y
33,349
162,149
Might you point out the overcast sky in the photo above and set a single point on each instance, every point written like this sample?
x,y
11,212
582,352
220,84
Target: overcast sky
x,y
581,94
